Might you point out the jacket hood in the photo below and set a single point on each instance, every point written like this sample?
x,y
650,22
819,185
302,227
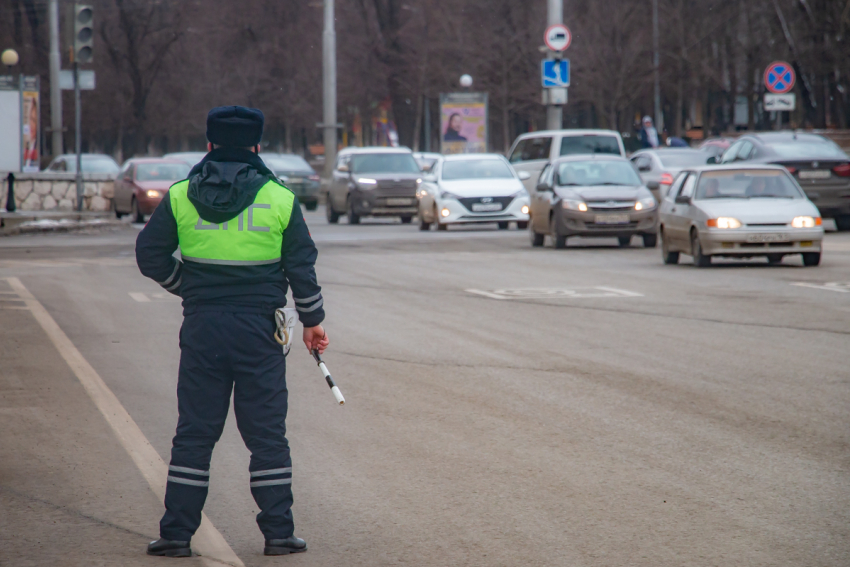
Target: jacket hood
x,y
225,182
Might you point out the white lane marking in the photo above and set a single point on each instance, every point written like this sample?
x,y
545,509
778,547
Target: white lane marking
x,y
208,541
841,287
555,293
140,297
152,297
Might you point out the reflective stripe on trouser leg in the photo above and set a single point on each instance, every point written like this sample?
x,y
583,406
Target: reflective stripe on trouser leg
x,y
260,404
203,396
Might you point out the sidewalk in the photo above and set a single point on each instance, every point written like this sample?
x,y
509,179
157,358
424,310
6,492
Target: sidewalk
x,y
69,492
47,221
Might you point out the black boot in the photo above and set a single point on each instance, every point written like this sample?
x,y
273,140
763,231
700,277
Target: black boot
x,y
168,548
286,546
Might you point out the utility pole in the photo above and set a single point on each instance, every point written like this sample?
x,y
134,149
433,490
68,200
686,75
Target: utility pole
x,y
329,82
659,118
555,114
55,92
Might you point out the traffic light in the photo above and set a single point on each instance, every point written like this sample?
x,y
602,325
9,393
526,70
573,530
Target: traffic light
x,y
83,33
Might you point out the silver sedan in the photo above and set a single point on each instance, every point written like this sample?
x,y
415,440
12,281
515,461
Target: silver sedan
x,y
740,212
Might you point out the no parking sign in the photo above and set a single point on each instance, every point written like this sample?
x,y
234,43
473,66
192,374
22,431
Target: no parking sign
x,y
779,77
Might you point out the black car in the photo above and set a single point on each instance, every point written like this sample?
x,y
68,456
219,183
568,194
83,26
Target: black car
x,y
820,167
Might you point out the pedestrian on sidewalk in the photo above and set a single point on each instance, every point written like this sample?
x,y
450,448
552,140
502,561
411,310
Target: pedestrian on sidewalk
x,y
243,242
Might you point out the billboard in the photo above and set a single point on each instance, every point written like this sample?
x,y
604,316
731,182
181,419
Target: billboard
x,y
463,123
30,126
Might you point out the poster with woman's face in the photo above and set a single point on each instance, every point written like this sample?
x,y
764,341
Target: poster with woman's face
x,y
30,131
463,124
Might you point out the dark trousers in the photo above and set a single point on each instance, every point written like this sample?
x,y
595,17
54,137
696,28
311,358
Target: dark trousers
x,y
223,352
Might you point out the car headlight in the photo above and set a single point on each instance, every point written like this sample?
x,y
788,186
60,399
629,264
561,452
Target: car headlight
x,y
574,205
723,222
153,194
421,192
447,195
367,183
645,204
419,181
806,222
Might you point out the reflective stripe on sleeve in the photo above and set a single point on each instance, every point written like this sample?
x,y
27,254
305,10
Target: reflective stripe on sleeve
x,y
173,274
308,309
179,480
307,299
258,483
271,472
175,285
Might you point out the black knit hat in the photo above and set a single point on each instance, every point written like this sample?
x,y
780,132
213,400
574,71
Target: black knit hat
x,y
235,126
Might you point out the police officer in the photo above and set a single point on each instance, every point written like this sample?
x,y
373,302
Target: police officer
x,y
243,242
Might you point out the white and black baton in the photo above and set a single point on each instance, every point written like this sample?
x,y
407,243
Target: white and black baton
x,y
331,384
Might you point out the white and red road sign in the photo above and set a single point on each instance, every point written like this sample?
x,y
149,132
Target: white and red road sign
x,y
557,37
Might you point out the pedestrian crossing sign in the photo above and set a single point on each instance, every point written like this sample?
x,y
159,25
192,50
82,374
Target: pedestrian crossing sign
x,y
555,73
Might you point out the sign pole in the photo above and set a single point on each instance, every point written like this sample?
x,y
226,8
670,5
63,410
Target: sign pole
x,y
555,114
78,136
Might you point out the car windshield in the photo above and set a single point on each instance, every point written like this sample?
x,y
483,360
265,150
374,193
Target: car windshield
x,y
597,173
384,163
684,159
476,169
589,144
747,184
290,163
808,150
95,164
161,171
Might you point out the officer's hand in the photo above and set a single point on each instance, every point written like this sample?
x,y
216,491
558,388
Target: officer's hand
x,y
316,338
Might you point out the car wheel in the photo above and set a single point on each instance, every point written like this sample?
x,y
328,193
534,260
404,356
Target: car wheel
x,y
406,220
503,226
311,206
353,218
650,240
118,214
558,240
624,240
666,255
774,258
522,225
842,223
135,213
330,213
811,258
423,224
700,259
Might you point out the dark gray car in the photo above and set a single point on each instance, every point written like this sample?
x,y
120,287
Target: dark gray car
x,y
592,196
820,167
377,182
297,175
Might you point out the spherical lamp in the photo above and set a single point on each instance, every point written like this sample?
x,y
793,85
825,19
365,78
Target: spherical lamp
x,y
466,81
9,58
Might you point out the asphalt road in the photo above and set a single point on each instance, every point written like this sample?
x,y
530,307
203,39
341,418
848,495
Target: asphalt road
x,y
505,406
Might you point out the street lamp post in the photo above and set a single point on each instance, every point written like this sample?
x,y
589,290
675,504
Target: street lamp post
x,y
10,58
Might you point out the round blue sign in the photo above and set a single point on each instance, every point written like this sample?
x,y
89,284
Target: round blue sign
x,y
779,77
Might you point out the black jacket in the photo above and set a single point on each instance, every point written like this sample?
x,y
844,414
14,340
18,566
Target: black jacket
x,y
221,186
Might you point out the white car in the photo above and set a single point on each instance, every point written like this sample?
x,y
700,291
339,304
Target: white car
x,y
472,188
738,211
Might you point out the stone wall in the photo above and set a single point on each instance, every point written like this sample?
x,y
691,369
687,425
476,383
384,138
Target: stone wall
x,y
58,192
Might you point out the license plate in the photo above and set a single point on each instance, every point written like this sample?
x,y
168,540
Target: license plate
x,y
399,202
485,207
815,174
612,219
296,180
767,238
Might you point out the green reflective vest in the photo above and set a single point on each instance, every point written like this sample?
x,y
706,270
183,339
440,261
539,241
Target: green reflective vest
x,y
252,238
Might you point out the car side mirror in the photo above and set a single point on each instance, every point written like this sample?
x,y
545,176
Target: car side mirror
x,y
645,168
813,196
543,187
683,200
712,159
430,178
343,168
653,185
523,175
